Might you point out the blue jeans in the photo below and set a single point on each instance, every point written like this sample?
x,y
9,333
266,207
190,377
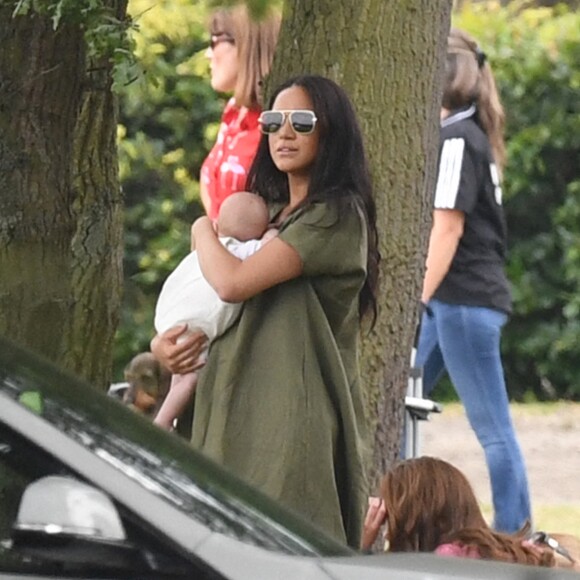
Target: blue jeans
x,y
465,341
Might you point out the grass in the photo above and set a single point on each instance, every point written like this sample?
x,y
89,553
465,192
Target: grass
x,y
562,519
533,409
558,518
541,408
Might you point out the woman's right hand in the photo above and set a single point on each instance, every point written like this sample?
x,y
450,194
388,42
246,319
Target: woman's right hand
x,y
179,357
375,518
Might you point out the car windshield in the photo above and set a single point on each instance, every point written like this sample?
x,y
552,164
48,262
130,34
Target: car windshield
x,y
161,462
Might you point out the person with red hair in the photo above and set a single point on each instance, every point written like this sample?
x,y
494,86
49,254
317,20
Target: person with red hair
x,y
428,505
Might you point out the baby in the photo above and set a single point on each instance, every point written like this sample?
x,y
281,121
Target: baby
x,y
187,297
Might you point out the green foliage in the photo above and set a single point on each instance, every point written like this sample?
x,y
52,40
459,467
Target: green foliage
x,y
535,53
168,122
71,10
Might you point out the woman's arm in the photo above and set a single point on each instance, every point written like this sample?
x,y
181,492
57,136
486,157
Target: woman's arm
x,y
446,232
192,235
235,280
374,519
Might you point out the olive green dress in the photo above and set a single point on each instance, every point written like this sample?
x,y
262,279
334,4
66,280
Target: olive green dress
x,y
279,400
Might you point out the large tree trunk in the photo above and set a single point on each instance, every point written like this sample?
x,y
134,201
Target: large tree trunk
x,y
60,200
388,56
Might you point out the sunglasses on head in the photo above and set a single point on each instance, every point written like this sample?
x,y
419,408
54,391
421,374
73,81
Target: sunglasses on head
x,y
218,38
302,122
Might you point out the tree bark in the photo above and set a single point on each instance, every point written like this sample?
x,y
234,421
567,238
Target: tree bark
x,y
389,58
60,201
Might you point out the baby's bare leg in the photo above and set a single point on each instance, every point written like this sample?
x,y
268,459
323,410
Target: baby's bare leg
x,y
180,392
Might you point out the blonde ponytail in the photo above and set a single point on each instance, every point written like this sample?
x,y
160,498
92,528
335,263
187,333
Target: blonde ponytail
x,y
469,79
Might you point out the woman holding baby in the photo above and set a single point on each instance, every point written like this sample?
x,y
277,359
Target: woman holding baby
x,y
279,400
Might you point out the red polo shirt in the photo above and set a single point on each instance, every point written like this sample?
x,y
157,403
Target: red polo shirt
x,y
226,167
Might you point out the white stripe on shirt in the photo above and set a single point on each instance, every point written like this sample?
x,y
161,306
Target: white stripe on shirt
x,y
449,173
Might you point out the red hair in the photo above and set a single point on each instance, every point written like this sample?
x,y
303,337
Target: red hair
x,y
427,499
429,502
492,545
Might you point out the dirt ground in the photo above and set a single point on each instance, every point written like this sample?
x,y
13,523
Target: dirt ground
x,y
548,434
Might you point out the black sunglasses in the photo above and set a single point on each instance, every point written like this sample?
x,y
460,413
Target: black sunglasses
x,y
219,38
302,122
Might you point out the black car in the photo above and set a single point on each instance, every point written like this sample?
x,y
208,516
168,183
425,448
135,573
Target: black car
x,y
90,489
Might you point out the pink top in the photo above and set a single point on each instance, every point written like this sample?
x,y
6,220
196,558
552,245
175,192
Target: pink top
x,y
457,550
225,169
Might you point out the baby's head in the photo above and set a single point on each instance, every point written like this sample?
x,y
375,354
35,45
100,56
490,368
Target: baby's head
x,y
243,216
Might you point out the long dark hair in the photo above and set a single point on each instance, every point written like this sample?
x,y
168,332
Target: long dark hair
x,y
340,174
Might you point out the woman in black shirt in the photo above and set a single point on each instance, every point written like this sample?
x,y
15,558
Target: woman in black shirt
x,y
465,285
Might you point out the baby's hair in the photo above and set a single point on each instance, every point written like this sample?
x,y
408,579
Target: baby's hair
x,y
243,216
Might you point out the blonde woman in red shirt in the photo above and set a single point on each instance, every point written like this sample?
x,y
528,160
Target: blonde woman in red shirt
x,y
240,53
